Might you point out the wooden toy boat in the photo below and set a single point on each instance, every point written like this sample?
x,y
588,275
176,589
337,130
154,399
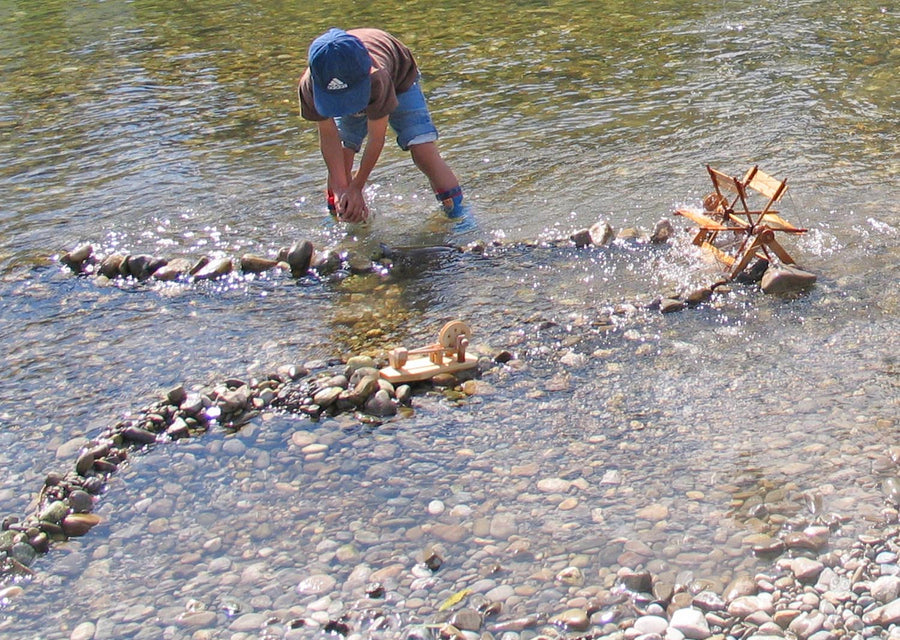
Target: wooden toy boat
x,y
447,355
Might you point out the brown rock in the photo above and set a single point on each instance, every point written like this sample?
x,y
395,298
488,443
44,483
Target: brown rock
x,y
299,257
786,278
256,264
172,270
76,258
78,524
111,265
215,269
572,619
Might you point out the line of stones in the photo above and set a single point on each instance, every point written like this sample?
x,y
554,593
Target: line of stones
x,y
299,259
302,259
67,499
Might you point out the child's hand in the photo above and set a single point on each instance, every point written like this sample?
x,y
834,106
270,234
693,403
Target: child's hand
x,y
352,206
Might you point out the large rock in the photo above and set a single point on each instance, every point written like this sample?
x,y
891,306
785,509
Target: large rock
x,y
601,234
662,232
299,257
785,278
598,235
142,267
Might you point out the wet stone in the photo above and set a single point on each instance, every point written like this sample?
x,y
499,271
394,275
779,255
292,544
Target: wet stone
x,y
215,269
662,232
359,362
316,584
886,588
444,380
885,615
745,605
571,576
248,622
256,264
553,485
78,524
466,620
84,463
70,449
380,404
786,278
139,435
691,623
299,258
111,265
708,601
54,512
175,269
740,586
640,582
84,631
142,267
234,447
574,619
651,624
671,305
807,624
327,397
196,619
192,404
784,617
806,570
23,553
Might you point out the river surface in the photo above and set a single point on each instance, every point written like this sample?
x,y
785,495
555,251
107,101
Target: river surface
x,y
649,442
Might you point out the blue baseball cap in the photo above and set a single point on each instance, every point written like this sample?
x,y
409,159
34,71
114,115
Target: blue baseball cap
x,y
339,65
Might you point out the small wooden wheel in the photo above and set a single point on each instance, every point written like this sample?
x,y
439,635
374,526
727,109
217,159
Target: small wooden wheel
x,y
714,203
451,332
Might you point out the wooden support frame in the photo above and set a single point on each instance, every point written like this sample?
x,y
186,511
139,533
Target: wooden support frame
x,y
728,209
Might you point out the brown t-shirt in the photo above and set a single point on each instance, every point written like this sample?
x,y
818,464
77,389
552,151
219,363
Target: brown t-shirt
x,y
393,71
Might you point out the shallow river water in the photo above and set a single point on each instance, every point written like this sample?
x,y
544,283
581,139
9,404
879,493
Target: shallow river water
x,y
616,438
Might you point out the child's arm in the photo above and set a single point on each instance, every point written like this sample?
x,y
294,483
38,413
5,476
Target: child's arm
x,y
353,204
333,154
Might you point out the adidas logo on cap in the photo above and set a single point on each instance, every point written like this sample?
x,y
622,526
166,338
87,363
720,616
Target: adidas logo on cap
x,y
336,84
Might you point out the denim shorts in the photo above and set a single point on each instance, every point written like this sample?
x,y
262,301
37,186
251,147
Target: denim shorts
x,y
410,121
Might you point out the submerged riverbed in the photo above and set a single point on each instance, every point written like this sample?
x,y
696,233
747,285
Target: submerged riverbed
x,y
616,437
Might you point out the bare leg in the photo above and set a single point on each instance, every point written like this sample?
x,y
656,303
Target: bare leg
x,y
444,183
429,161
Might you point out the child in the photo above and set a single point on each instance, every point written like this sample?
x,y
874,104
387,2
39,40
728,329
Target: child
x,y
357,83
